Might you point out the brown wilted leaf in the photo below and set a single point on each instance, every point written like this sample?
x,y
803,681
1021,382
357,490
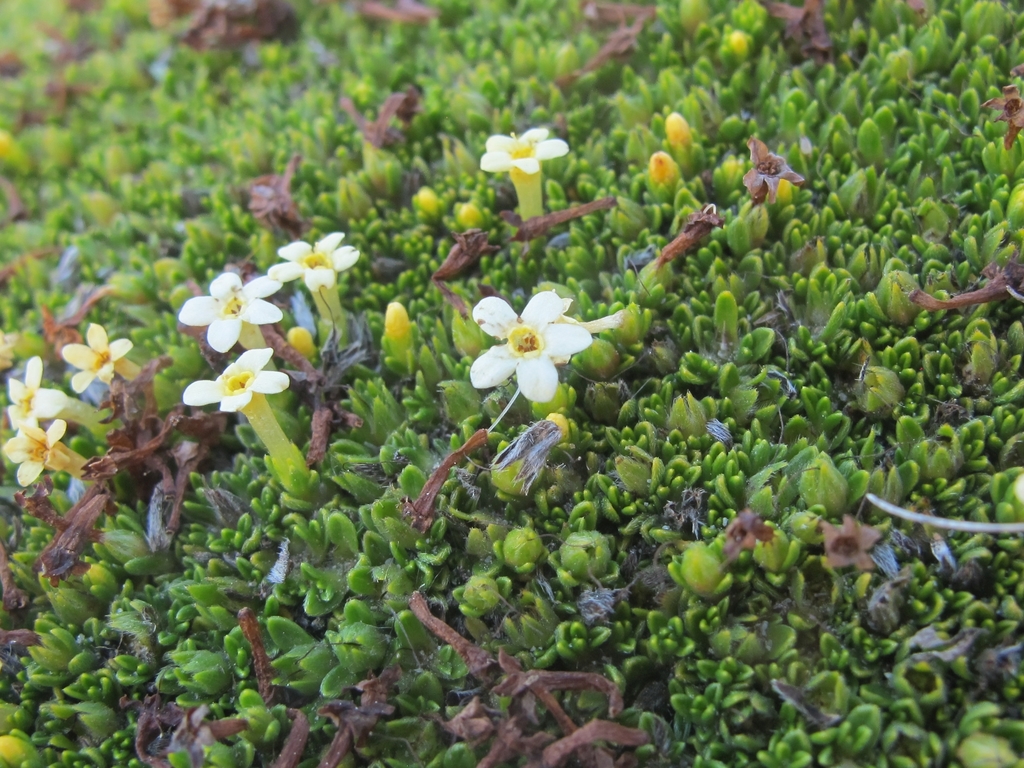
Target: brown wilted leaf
x,y
469,247
153,718
556,754
380,133
511,742
481,664
225,24
421,511
799,700
805,25
375,690
354,723
850,544
1017,71
22,637
769,169
617,13
517,681
743,532
270,200
402,12
473,723
66,51
14,597
293,748
698,226
63,330
539,225
1012,114
250,627
194,733
1003,282
61,91
619,44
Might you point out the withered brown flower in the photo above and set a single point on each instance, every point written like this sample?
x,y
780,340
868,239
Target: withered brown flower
x,y
1012,114
763,179
743,532
805,24
850,544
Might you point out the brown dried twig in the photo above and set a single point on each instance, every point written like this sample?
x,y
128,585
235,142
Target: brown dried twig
x,y
421,511
402,12
380,133
270,200
194,733
619,44
556,754
698,226
152,720
22,637
295,745
14,598
250,627
537,680
539,225
1003,282
469,247
806,25
481,664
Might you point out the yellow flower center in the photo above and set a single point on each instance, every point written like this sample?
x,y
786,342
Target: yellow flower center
x,y
237,383
523,150
316,260
232,307
525,342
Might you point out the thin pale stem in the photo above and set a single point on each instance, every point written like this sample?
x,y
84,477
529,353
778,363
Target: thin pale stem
x,y
63,459
251,337
80,412
530,193
285,456
335,313
501,416
127,368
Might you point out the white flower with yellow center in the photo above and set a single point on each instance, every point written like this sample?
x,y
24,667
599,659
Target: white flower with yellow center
x,y
234,389
29,401
318,264
7,343
538,340
99,360
520,156
35,450
232,311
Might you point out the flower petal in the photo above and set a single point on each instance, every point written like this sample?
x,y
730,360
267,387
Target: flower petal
x,y
254,360
294,251
528,165
328,244
203,392
119,348
96,336
534,136
544,308
270,382
225,286
34,373
47,403
20,418
223,334
344,258
564,339
80,356
550,149
493,367
495,316
28,472
538,379
260,288
237,402
496,162
81,380
56,431
199,311
285,273
320,277
504,144
260,312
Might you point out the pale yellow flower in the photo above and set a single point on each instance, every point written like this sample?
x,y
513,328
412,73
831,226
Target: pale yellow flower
x,y
29,401
99,360
35,450
7,343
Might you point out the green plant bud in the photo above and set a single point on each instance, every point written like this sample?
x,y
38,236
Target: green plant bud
x,y
359,647
461,400
522,550
822,484
428,206
662,177
398,340
777,555
467,336
383,171
939,458
893,296
879,391
899,65
983,19
688,416
701,569
524,57
101,207
58,147
735,48
603,402
567,61
116,163
693,13
805,527
353,201
634,325
726,318
628,219
750,16
480,595
16,751
983,355
869,143
125,545
583,557
71,602
728,176
469,216
983,750
457,159
635,475
203,673
599,361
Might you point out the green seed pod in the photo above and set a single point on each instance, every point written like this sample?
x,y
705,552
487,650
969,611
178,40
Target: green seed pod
x,y
635,475
701,569
478,596
522,550
879,391
777,555
101,207
892,294
822,484
599,361
602,401
662,177
467,336
469,216
583,556
983,354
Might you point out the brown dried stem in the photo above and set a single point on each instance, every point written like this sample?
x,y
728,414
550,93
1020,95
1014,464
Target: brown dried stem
x,y
421,511
556,754
619,44
14,597
1002,284
698,226
481,664
295,745
402,12
469,247
260,660
380,133
539,225
270,200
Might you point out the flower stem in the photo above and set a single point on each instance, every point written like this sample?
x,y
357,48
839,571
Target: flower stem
x,y
285,459
82,413
63,459
529,192
335,313
251,337
127,368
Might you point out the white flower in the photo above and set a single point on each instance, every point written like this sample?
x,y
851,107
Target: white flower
x,y
538,340
317,264
7,342
30,403
98,360
35,450
234,388
229,305
522,153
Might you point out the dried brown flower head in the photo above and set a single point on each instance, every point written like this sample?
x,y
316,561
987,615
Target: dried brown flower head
x,y
1012,112
806,24
850,544
270,200
763,179
745,530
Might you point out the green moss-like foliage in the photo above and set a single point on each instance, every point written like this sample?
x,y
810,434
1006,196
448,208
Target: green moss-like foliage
x,y
779,366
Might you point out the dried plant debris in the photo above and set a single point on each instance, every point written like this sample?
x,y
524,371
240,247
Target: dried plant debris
x,y
617,13
698,226
481,664
380,133
743,532
421,511
155,721
798,699
16,210
539,225
806,25
762,181
620,44
401,12
1003,283
850,544
295,744
270,200
531,450
235,23
1011,108
469,247
14,598
195,733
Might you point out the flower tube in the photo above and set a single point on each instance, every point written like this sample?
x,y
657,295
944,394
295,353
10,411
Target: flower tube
x,y
520,156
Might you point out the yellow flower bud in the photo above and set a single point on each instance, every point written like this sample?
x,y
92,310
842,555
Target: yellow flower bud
x,y
469,216
739,44
663,170
396,322
784,194
563,424
302,340
6,144
427,204
677,131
